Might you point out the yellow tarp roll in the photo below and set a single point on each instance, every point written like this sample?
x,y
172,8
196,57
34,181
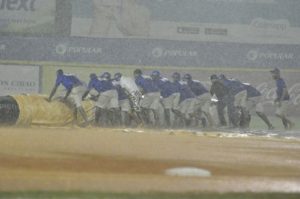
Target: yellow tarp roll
x,y
36,110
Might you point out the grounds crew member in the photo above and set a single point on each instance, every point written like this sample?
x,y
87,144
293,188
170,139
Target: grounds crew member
x,y
254,104
127,86
74,89
187,100
151,97
203,99
107,103
124,103
222,93
282,99
170,96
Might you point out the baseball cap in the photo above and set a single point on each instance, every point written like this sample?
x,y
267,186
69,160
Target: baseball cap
x,y
117,76
187,77
59,72
106,75
176,76
93,76
214,77
137,71
222,76
275,71
155,73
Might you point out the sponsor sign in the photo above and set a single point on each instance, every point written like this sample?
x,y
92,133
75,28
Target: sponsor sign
x,y
27,16
241,21
19,79
173,52
254,55
155,53
65,49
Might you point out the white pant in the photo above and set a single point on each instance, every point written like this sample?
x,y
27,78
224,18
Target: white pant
x,y
187,106
240,99
203,102
282,110
172,102
254,104
108,99
76,95
151,101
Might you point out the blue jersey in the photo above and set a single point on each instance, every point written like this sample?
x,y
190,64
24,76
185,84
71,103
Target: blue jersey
x,y
68,81
280,85
234,86
166,87
197,88
101,85
121,92
147,84
251,91
185,91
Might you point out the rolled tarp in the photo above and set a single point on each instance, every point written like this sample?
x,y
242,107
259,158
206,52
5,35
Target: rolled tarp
x,y
35,110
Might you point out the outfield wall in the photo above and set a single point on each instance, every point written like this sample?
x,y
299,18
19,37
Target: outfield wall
x,y
145,52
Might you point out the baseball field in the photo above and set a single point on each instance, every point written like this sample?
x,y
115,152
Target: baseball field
x,y
127,163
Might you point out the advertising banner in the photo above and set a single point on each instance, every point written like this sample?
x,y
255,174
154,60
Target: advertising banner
x,y
243,21
27,17
150,53
19,79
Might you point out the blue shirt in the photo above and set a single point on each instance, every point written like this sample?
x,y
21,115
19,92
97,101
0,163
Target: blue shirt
x,y
280,84
121,92
147,84
68,81
234,86
166,87
185,91
101,85
197,88
252,91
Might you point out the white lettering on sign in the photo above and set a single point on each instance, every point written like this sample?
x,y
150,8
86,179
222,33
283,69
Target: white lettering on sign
x,y
160,52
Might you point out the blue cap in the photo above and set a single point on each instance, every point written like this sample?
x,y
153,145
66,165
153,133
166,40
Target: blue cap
x,y
222,76
187,77
59,72
155,73
275,71
213,77
93,76
117,76
106,75
138,71
176,76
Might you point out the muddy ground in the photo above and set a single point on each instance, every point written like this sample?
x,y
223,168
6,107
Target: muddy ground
x,y
114,160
